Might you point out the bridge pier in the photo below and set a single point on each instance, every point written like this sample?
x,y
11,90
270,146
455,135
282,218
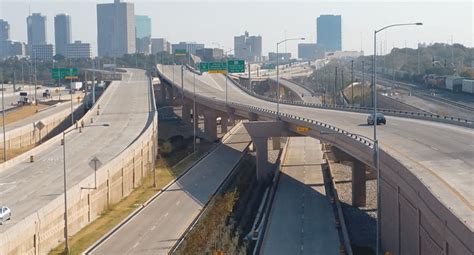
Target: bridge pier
x,y
210,123
276,143
358,184
224,122
186,111
162,98
260,131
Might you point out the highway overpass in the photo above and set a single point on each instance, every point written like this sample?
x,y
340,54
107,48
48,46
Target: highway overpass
x,y
126,146
426,166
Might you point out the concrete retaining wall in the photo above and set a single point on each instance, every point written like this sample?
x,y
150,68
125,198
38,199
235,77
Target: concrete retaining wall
x,y
28,135
43,230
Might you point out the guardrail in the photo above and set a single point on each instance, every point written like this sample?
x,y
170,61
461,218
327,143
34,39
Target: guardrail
x,y
389,112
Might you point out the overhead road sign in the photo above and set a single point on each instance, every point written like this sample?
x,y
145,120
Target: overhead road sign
x,y
217,67
236,66
302,129
61,73
71,77
204,67
180,52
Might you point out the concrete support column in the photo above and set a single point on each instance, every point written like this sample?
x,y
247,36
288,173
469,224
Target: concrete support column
x,y
210,123
259,131
358,184
170,94
261,146
186,112
162,93
276,142
224,123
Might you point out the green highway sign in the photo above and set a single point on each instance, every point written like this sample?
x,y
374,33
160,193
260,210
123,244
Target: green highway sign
x,y
236,66
203,67
217,67
61,73
180,52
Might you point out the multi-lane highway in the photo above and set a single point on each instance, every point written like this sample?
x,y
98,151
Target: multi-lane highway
x,y
438,154
306,95
301,220
27,187
157,228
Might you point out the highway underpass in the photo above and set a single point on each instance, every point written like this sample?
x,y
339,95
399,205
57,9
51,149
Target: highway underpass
x,y
161,224
426,166
301,220
34,191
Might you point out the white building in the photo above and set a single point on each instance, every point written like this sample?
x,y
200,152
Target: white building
x,y
160,45
248,47
78,50
116,29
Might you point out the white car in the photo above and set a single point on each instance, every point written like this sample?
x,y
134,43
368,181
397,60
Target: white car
x,y
5,214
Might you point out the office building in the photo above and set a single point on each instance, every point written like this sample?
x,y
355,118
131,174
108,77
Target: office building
x,y
248,47
116,29
41,51
283,57
190,47
4,30
310,51
62,32
12,49
159,45
329,32
36,29
210,54
143,34
77,50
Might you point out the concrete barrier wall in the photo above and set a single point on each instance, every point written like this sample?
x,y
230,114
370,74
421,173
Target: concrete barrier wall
x,y
44,229
28,135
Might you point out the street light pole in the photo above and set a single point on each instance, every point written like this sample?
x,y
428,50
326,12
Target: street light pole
x,y
194,112
376,142
278,71
3,123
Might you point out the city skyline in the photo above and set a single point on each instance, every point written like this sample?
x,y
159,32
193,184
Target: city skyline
x,y
356,32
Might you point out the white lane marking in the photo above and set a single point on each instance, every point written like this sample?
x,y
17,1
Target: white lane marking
x,y
178,202
153,228
136,244
166,215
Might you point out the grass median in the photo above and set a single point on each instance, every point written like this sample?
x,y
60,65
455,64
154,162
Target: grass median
x,y
167,169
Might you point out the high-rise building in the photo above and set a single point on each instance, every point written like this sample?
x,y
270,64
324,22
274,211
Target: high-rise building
x,y
210,54
4,30
329,32
310,51
62,32
248,47
36,29
160,45
282,57
116,29
41,51
78,49
190,47
143,34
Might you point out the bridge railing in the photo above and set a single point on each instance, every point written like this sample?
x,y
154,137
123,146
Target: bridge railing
x,y
389,112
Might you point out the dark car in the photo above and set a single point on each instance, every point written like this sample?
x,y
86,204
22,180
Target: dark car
x,y
380,119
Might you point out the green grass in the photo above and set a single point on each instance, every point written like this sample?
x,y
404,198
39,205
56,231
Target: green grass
x,y
165,173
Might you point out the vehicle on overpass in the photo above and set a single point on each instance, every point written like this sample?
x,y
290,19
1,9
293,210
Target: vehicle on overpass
x,y
380,119
5,214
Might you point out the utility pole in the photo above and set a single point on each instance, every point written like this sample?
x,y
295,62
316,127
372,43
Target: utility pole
x,y
342,82
3,123
363,83
352,82
335,88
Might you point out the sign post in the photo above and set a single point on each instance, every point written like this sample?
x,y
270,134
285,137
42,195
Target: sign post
x,y
95,163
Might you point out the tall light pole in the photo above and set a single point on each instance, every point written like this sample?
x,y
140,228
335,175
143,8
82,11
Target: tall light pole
x,y
225,75
376,149
63,143
278,71
194,112
3,122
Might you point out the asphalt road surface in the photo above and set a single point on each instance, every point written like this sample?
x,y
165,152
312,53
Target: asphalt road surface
x,y
441,155
301,219
26,187
159,226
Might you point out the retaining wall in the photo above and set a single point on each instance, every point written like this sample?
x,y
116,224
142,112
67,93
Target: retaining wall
x,y
44,229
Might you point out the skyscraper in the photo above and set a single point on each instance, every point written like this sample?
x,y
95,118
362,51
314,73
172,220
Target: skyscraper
x,y
36,29
62,32
4,30
143,33
248,47
116,29
329,32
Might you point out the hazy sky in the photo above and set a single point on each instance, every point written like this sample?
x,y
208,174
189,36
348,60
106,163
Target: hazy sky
x,y
212,22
